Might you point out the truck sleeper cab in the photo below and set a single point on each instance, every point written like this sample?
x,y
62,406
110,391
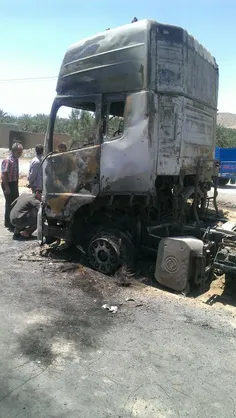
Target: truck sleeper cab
x,y
139,105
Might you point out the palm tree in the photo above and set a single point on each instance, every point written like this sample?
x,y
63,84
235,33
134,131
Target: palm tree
x,y
3,116
25,122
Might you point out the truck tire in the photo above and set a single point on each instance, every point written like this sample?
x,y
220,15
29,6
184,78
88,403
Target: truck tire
x,y
110,250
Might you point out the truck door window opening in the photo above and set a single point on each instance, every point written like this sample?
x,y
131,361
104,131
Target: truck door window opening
x,y
113,120
79,123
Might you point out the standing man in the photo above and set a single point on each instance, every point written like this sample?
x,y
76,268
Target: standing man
x,y
10,179
35,176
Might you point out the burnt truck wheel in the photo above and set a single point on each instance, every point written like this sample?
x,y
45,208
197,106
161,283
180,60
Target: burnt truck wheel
x,y
107,252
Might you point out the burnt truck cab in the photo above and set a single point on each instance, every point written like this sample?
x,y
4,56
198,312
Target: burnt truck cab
x,y
140,102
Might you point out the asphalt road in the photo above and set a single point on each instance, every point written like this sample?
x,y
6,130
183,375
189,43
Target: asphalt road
x,y
62,355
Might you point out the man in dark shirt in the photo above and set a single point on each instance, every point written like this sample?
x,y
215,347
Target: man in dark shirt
x,y
24,213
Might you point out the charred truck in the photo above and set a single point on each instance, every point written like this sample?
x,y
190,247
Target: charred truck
x,y
136,176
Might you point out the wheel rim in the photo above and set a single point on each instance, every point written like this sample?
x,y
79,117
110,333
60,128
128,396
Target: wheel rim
x,y
104,255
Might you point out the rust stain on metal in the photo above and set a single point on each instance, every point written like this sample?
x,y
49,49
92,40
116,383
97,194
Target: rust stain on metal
x,y
58,203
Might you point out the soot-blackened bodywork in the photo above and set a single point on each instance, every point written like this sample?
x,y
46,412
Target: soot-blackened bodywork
x,y
71,180
169,85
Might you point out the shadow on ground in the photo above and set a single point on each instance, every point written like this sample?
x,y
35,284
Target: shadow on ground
x,y
225,292
77,322
73,331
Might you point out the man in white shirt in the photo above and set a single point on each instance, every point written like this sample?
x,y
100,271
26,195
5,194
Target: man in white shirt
x,y
35,176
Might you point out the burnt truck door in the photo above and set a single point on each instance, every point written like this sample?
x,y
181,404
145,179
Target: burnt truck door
x,y
71,178
126,152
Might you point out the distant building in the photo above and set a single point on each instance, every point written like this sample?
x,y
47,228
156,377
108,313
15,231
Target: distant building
x,y
10,132
5,129
31,139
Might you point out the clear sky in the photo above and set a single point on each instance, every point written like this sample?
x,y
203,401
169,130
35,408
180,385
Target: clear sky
x,y
36,33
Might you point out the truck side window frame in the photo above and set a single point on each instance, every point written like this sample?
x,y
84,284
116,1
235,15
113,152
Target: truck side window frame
x,y
75,103
106,119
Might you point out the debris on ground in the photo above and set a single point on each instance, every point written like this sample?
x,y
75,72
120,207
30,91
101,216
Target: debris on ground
x,y
69,267
112,309
56,253
134,304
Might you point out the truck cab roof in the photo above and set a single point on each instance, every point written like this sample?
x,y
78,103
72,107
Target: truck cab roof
x,y
138,56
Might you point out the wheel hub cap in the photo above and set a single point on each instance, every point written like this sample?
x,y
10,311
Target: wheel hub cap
x,y
104,255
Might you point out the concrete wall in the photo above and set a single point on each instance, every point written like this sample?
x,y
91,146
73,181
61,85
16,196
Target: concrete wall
x,y
5,129
31,139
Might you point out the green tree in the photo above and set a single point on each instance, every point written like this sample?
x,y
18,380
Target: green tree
x,y
40,122
3,116
225,137
81,128
25,122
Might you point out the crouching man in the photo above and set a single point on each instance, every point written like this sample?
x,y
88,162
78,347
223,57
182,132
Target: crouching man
x,y
24,213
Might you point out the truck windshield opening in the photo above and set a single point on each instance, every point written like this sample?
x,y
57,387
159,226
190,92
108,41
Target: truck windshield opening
x,y
79,124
